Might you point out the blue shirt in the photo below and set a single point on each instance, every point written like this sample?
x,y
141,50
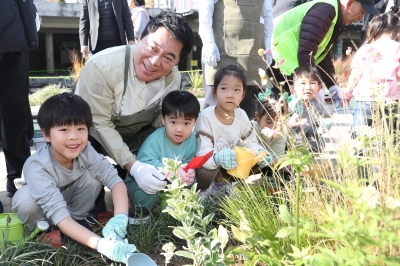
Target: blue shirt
x,y
158,146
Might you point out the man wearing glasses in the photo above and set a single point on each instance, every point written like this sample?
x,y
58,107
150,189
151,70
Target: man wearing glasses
x,y
123,116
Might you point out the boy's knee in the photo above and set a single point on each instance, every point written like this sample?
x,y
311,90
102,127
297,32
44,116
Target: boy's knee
x,y
27,210
142,199
139,197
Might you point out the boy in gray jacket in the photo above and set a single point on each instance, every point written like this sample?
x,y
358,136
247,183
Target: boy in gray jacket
x,y
63,179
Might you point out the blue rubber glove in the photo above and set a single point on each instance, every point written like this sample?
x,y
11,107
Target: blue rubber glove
x,y
328,125
116,225
297,107
226,158
266,160
115,250
324,127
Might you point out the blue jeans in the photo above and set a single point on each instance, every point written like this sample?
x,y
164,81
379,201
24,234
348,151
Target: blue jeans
x,y
362,115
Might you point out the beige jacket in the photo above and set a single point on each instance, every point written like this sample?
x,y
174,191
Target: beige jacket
x,y
101,86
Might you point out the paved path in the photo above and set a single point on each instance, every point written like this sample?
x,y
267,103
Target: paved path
x,y
342,120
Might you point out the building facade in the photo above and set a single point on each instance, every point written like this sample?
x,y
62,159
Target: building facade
x,y
59,34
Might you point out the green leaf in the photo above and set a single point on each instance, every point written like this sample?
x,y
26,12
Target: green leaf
x,y
191,232
265,258
184,254
284,232
285,163
329,253
240,235
179,232
207,219
245,253
284,214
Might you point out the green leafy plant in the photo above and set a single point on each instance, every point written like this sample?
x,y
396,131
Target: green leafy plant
x,y
253,248
368,235
195,79
300,159
204,247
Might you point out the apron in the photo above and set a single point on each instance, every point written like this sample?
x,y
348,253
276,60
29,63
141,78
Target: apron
x,y
135,128
238,35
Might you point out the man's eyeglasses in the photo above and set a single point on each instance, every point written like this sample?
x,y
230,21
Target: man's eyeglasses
x,y
166,58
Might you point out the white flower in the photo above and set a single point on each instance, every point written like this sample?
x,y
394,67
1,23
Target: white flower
x,y
365,131
354,147
169,249
392,203
369,196
222,236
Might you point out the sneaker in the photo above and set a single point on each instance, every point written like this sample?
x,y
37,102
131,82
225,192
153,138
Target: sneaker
x,y
10,189
139,215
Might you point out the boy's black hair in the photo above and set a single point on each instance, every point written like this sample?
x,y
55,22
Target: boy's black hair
x,y
263,107
64,109
176,25
139,2
230,70
180,103
308,72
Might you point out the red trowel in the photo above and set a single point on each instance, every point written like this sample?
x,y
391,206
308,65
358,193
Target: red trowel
x,y
198,161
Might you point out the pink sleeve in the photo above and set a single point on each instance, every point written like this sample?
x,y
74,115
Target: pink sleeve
x,y
357,60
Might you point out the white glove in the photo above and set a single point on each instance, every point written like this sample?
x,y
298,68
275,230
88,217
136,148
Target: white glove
x,y
210,54
147,177
85,51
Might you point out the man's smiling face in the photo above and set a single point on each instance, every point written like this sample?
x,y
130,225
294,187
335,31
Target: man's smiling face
x,y
156,54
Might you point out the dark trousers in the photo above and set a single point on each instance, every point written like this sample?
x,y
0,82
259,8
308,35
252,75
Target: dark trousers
x,y
14,110
104,44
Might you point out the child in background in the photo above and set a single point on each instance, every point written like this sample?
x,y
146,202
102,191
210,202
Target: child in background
x,y
308,112
179,113
375,68
63,179
222,127
265,125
